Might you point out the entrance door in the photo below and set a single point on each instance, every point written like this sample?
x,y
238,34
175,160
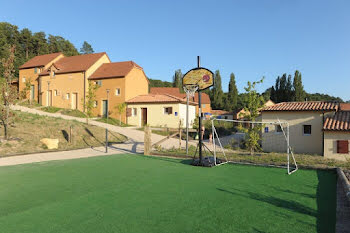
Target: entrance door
x,y
104,108
75,101
144,116
32,89
49,98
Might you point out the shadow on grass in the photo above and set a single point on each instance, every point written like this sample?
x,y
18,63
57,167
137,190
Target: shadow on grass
x,y
326,201
325,197
275,201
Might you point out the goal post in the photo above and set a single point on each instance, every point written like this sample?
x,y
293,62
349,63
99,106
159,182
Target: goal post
x,y
274,137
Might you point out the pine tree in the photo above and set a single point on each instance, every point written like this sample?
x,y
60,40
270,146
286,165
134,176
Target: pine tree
x,y
232,97
86,49
299,93
177,80
217,96
289,89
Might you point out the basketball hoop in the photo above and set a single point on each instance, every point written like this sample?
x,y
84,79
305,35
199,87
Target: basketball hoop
x,y
190,89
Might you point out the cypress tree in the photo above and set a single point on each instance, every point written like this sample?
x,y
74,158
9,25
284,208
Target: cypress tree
x,y
217,92
299,93
231,102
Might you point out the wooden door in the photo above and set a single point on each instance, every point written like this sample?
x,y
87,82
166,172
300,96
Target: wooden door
x,y
75,101
32,91
104,108
144,116
49,98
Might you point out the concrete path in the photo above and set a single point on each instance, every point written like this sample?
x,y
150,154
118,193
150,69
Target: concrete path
x,y
134,144
59,155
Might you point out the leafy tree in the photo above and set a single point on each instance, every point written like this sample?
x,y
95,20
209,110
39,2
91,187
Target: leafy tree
x,y
217,93
177,80
90,100
232,97
25,91
8,93
121,109
299,93
254,101
86,49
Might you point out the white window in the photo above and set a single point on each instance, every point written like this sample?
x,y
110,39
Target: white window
x,y
95,104
117,91
24,79
134,112
53,74
56,93
99,82
67,96
35,70
168,110
306,129
203,105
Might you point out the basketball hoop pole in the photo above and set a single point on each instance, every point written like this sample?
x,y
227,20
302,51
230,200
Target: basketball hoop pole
x,y
199,118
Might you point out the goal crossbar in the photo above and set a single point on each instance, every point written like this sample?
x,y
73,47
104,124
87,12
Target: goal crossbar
x,y
278,122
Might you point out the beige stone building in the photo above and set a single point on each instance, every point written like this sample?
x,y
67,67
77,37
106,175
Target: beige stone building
x,y
159,110
309,128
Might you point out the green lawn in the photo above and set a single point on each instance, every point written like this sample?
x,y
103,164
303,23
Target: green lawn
x,y
132,193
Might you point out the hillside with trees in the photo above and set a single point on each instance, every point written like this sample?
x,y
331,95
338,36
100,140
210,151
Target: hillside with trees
x,y
287,88
29,44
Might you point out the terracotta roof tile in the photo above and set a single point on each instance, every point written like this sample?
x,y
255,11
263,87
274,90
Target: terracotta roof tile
x,y
156,98
303,106
344,106
115,69
75,63
176,92
39,61
339,122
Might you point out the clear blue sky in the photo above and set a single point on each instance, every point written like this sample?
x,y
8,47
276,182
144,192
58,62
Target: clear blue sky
x,y
250,38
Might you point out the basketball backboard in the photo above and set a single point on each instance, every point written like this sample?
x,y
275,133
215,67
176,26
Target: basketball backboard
x,y
202,77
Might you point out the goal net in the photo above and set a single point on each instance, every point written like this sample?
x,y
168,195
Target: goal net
x,y
246,137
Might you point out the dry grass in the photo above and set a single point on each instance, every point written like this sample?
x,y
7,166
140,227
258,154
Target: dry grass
x,y
278,159
29,129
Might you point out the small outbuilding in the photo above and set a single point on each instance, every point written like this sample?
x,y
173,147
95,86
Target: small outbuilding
x,y
337,135
159,110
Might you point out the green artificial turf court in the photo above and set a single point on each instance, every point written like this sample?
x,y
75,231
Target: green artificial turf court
x,y
134,193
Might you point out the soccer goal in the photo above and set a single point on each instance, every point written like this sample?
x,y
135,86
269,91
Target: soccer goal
x,y
263,136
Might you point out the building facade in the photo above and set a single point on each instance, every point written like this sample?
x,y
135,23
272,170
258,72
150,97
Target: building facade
x,y
63,82
159,110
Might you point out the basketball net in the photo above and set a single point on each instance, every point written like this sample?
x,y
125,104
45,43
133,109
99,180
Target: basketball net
x,y
190,89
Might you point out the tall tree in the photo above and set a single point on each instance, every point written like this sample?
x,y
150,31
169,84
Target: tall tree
x,y
40,43
254,101
232,96
8,93
86,49
299,93
177,80
217,93
59,44
26,40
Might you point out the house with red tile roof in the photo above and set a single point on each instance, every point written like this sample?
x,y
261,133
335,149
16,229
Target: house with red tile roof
x,y
174,91
159,110
315,127
63,82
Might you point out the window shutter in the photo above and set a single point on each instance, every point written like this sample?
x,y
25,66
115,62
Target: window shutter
x,y
170,110
342,147
128,112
